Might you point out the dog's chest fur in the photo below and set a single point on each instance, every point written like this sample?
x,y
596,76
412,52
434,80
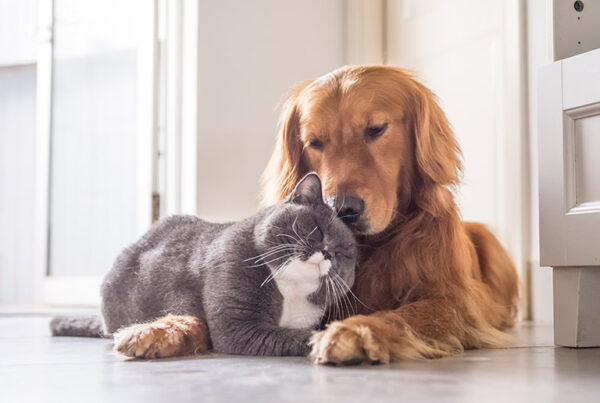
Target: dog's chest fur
x,y
296,282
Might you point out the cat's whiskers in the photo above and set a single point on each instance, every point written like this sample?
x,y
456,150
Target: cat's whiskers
x,y
333,299
337,308
351,305
302,241
293,237
271,252
277,243
344,303
346,300
267,262
310,233
335,213
327,302
349,291
278,270
283,249
341,301
268,253
271,275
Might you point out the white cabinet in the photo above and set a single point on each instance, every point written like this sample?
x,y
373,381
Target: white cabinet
x,y
569,145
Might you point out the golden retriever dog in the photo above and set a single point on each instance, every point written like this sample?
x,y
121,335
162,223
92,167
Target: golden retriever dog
x,y
427,285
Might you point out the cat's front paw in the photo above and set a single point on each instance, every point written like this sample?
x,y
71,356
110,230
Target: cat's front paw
x,y
166,337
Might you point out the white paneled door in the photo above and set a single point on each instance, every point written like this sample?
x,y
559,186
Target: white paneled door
x,y
569,144
97,140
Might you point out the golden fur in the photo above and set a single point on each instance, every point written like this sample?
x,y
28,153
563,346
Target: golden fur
x,y
168,336
430,285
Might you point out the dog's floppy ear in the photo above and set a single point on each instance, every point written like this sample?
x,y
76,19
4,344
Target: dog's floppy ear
x,y
436,150
286,166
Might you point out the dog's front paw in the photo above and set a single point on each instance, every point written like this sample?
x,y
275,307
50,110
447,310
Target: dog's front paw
x,y
150,340
348,344
168,336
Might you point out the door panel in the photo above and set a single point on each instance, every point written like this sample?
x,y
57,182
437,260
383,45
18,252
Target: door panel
x,y
580,79
97,130
17,167
587,163
93,140
569,129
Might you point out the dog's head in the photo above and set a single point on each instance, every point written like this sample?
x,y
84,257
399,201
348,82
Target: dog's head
x,y
377,138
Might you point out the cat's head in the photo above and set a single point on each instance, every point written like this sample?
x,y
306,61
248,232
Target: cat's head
x,y
303,239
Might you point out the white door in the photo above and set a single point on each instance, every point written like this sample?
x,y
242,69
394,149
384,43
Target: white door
x,y
96,139
569,145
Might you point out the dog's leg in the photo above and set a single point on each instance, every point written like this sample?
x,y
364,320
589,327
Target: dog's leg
x,y
424,329
169,336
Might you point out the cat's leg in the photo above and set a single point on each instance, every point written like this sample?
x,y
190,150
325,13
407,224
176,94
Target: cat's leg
x,y
169,336
260,339
281,341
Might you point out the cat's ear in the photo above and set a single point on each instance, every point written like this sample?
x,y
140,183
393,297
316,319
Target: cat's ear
x,y
308,190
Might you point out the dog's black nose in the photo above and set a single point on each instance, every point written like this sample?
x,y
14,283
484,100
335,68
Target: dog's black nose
x,y
348,208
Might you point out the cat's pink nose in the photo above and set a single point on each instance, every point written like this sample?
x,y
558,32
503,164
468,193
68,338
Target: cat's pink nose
x,y
321,260
316,258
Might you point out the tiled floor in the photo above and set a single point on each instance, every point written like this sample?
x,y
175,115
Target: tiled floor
x,y
37,368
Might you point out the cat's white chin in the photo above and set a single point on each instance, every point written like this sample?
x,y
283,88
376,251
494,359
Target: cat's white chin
x,y
296,281
322,264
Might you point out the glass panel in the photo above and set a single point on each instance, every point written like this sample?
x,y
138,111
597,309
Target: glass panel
x,y
93,165
17,151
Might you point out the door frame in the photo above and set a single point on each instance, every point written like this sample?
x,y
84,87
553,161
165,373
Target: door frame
x,y
178,27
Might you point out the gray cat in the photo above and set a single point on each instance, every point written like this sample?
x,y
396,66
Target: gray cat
x,y
261,284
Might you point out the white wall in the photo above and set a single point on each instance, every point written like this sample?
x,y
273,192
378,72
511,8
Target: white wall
x,y
250,54
455,48
463,50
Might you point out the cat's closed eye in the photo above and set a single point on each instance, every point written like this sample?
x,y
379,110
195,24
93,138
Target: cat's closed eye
x,y
340,255
315,235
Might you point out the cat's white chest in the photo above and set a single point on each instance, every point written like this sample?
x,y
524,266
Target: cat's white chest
x,y
295,283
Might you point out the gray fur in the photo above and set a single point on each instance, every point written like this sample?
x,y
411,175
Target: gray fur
x,y
187,266
79,326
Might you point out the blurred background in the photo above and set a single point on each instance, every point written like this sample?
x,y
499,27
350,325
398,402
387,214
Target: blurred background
x,y
116,112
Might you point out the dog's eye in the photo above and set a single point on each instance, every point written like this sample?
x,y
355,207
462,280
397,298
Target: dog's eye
x,y
316,144
375,131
